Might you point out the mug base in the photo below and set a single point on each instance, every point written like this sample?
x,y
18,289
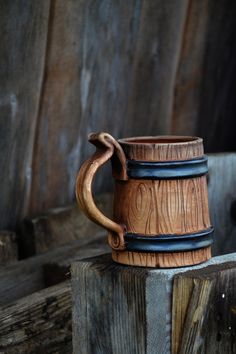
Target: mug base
x,y
162,260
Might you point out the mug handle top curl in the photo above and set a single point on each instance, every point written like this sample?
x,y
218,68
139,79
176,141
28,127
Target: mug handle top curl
x,y
107,148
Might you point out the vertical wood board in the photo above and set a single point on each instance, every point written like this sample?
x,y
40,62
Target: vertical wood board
x,y
23,33
204,320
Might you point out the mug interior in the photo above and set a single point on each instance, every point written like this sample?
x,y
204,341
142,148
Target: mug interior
x,y
165,139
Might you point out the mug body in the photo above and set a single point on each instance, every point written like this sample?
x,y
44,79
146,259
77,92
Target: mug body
x,y
163,205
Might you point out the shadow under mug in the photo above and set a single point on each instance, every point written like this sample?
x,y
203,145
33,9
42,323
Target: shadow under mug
x,y
160,210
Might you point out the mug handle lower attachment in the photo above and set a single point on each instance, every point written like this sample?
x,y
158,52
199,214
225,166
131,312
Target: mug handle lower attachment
x,y
107,148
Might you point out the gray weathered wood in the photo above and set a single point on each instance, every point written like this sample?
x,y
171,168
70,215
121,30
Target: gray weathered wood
x,y
59,226
119,67
119,309
38,323
189,75
58,142
204,310
8,248
30,275
127,67
23,33
222,201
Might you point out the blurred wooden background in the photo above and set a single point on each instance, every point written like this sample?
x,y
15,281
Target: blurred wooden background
x,y
137,67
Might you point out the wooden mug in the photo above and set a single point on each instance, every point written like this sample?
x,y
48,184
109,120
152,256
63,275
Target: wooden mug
x,y
161,215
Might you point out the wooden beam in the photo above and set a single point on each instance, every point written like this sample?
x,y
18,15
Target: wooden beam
x,y
38,323
119,309
204,315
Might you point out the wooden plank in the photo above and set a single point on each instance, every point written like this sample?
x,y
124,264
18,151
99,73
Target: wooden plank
x,y
153,69
121,65
203,104
119,309
204,319
23,33
140,62
38,323
222,196
59,226
57,142
8,248
189,76
28,276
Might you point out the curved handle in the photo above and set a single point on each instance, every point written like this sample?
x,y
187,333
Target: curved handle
x,y
107,148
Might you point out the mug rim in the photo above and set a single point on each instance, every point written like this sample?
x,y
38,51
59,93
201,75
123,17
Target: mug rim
x,y
161,140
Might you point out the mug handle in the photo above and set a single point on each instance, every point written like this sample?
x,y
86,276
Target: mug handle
x,y
107,148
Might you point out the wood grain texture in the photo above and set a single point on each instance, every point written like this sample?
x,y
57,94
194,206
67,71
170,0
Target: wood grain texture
x,y
204,319
107,149
57,144
58,226
162,260
148,207
88,73
162,207
130,68
189,74
38,323
162,148
8,248
23,36
123,314
132,309
152,207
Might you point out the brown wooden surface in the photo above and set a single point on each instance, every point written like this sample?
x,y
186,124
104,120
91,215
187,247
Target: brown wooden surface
x,y
162,148
38,323
162,207
8,248
107,149
203,311
148,207
162,260
127,67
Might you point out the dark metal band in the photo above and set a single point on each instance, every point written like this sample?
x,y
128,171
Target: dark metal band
x,y
168,169
169,243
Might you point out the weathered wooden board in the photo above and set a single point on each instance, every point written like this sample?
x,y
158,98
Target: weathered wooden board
x,y
189,75
30,275
127,67
8,248
58,137
222,201
59,226
38,323
23,33
117,309
115,68
204,312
